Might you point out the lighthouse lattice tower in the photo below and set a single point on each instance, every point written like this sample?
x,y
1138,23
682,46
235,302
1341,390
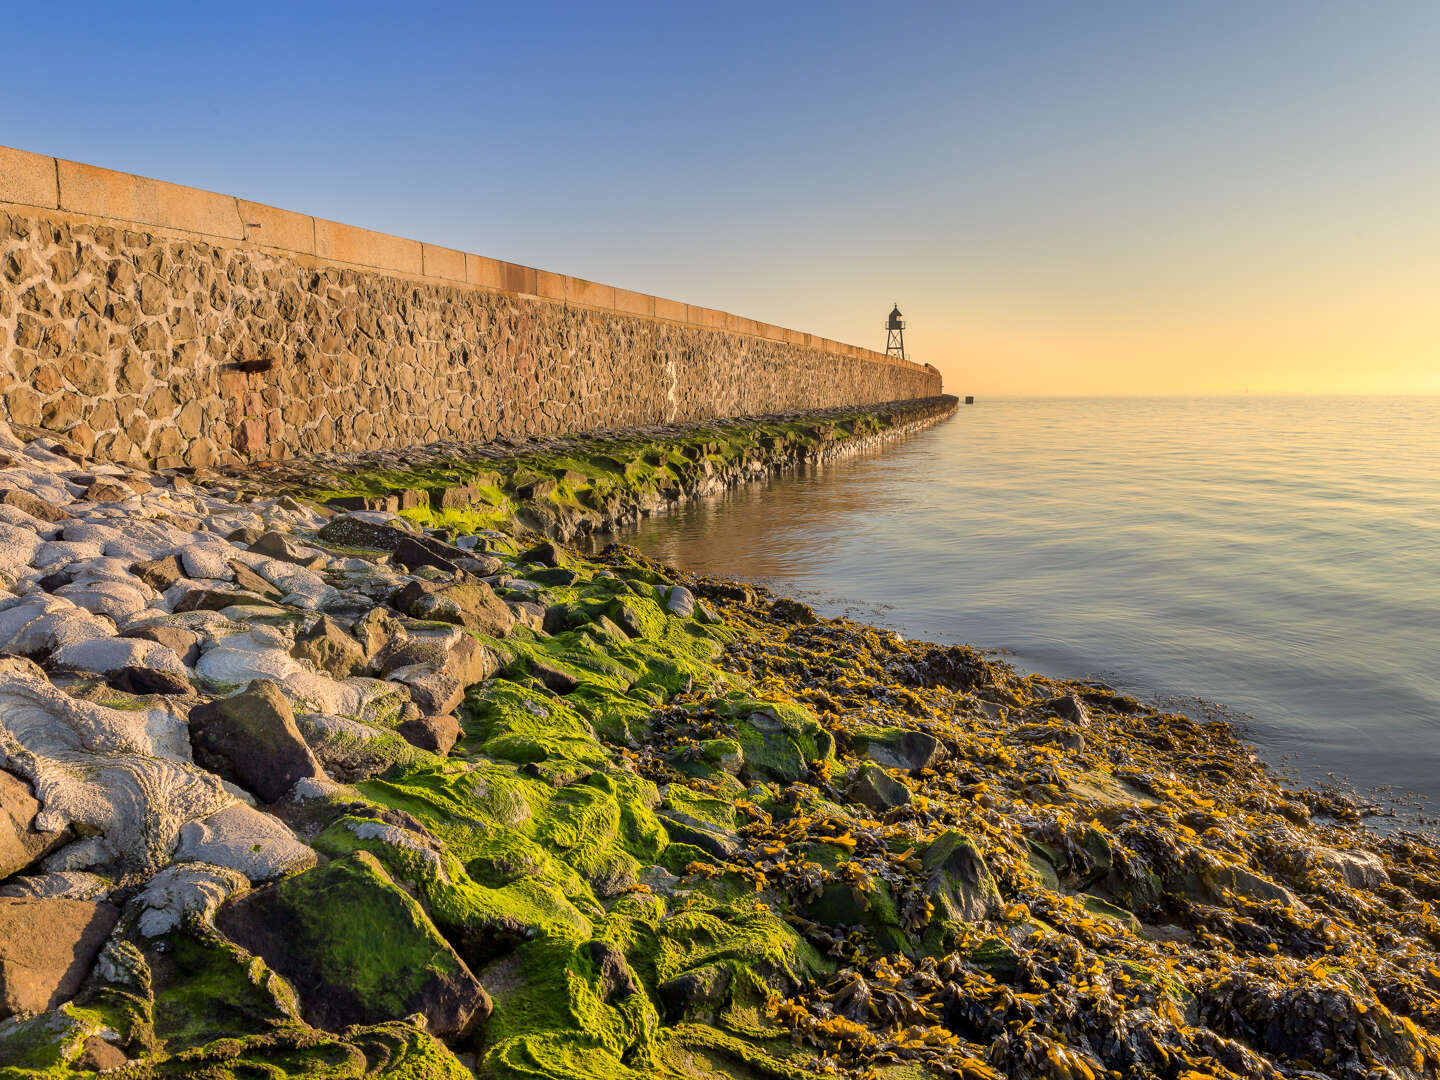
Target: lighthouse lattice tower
x,y
895,334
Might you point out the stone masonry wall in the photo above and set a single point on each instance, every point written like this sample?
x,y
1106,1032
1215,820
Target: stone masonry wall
x,y
182,347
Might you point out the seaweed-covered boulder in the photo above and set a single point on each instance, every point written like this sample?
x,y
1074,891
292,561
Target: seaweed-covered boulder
x,y
897,748
877,789
47,947
357,948
957,881
778,740
251,737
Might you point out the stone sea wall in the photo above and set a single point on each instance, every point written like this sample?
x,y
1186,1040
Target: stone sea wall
x,y
150,322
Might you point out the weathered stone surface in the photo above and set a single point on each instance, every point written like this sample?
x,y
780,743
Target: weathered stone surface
x,y
472,604
36,507
413,552
20,842
357,532
215,599
47,948
278,546
161,573
251,737
325,644
183,643
357,949
434,733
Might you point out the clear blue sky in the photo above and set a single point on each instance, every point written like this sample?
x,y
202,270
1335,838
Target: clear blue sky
x,y
1062,196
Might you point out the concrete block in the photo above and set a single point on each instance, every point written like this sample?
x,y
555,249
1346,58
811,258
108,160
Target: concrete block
x,y
346,243
484,272
551,286
634,303
671,309
445,263
282,229
771,332
520,279
590,293
85,189
28,178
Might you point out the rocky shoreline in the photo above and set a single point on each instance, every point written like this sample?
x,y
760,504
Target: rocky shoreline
x,y
343,769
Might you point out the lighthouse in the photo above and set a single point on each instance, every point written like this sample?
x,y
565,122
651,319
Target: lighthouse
x,y
895,334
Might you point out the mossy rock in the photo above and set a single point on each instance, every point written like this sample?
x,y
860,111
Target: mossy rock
x,y
778,740
357,948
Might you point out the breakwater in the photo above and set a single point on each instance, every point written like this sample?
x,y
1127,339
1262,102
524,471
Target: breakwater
x,y
569,486
150,322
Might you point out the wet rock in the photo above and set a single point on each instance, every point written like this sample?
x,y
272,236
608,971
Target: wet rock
x,y
1069,708
1067,738
21,844
349,970
47,948
251,737
325,644
875,788
956,667
1246,883
897,748
1359,869
470,604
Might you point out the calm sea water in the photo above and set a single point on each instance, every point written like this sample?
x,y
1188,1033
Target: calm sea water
x,y
1280,556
